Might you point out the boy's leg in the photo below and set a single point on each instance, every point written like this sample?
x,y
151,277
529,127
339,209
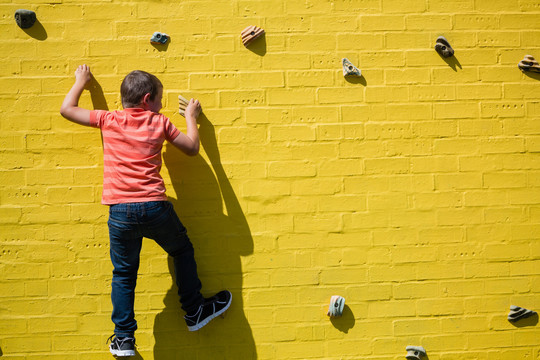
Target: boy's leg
x,y
167,230
125,246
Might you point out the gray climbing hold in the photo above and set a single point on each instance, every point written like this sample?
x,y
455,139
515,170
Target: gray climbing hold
x,y
518,313
337,303
415,352
182,104
25,18
349,69
442,46
159,38
529,63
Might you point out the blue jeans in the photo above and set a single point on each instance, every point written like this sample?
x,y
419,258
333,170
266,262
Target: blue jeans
x,y
157,220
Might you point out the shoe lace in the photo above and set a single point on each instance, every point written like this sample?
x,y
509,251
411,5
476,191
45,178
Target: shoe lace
x,y
120,341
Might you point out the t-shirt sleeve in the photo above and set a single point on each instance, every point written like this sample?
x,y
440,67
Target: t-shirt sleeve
x,y
97,118
171,132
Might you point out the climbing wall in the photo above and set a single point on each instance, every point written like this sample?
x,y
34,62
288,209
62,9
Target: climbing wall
x,y
412,191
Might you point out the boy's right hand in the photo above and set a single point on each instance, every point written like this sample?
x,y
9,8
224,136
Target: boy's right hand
x,y
193,109
83,75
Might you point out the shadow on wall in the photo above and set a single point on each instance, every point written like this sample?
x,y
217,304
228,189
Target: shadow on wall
x,y
220,236
37,31
96,95
530,321
345,322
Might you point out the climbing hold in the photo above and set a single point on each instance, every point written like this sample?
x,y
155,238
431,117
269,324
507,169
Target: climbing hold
x,y
159,38
518,313
337,303
349,69
529,63
25,18
442,46
182,104
250,34
415,352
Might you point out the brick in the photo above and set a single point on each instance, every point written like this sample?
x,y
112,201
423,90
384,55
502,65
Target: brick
x,y
432,93
456,146
318,114
286,61
308,42
458,181
505,180
521,91
296,133
519,21
437,200
286,24
414,40
291,169
395,6
348,167
310,78
481,128
407,76
436,307
383,93
266,116
394,309
387,166
429,22
449,76
241,98
351,41
264,188
337,96
382,58
456,110
299,96
229,62
416,326
483,341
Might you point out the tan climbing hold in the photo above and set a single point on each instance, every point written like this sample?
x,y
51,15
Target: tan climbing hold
x,y
250,34
529,63
182,104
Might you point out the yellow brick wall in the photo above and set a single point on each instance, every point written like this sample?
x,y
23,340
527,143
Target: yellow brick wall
x,y
413,192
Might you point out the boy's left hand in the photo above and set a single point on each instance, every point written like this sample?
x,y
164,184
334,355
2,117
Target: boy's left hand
x,y
83,75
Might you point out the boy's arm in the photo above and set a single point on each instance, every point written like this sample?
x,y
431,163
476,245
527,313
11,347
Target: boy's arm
x,y
70,107
189,142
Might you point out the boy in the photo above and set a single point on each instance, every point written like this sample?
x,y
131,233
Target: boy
x,y
135,192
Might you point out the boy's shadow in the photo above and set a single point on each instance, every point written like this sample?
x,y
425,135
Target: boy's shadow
x,y
208,207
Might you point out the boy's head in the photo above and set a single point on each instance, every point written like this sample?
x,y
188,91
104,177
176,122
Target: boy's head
x,y
136,85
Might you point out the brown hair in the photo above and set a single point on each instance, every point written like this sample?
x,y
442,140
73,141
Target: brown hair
x,y
135,85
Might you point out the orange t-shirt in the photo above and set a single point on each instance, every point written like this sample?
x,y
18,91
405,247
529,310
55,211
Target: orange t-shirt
x,y
132,143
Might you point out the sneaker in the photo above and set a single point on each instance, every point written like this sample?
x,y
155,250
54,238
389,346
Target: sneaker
x,y
211,308
122,346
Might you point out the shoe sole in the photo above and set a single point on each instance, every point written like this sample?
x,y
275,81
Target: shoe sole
x,y
122,353
210,318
